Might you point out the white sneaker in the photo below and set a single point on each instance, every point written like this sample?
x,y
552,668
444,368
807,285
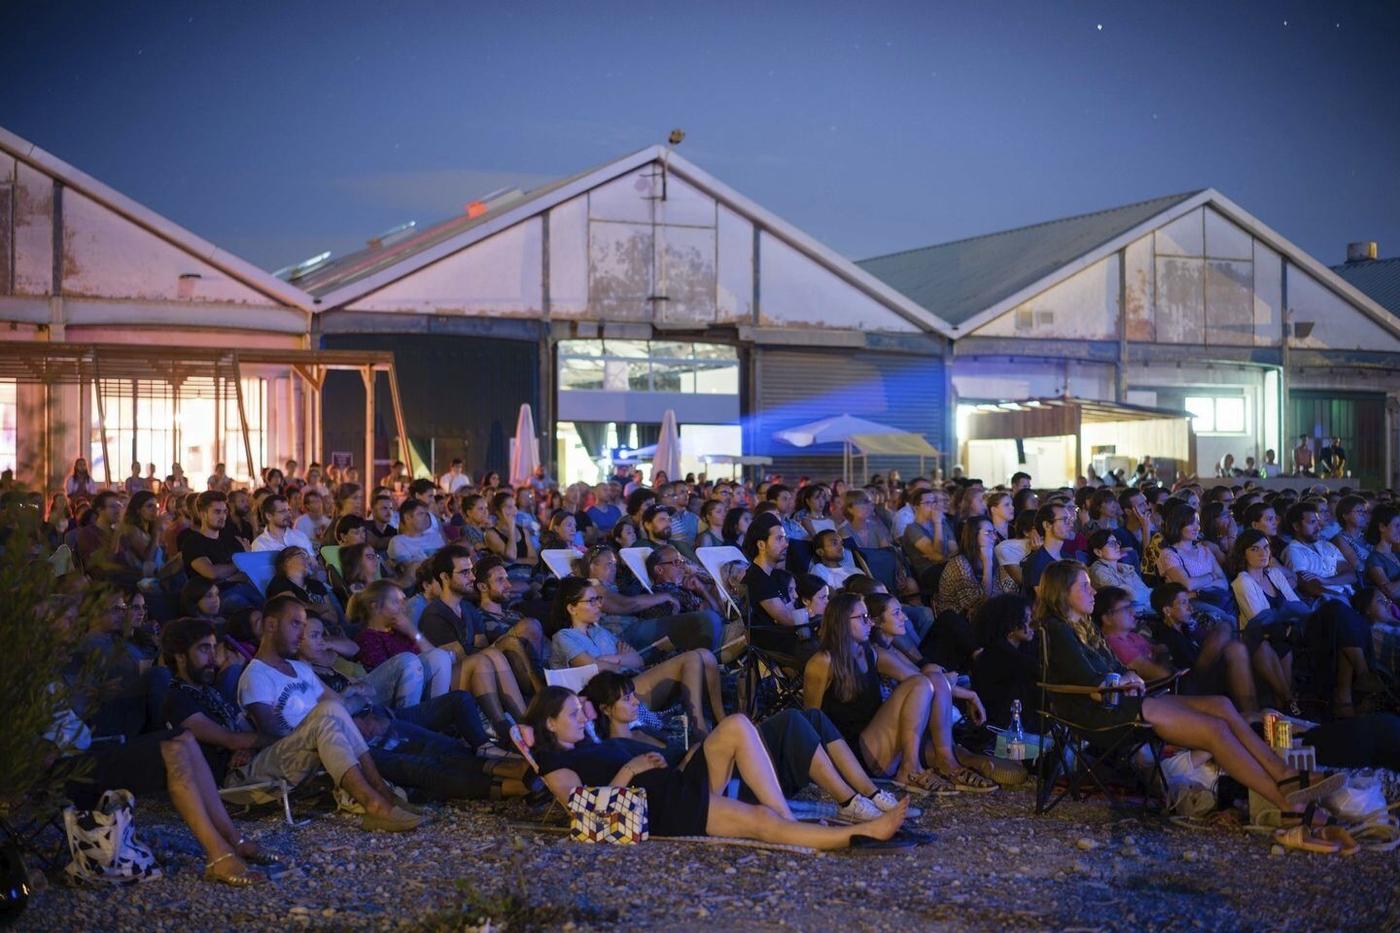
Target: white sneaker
x,y
887,802
859,810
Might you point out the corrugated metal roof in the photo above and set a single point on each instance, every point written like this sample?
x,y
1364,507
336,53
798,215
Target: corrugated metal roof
x,y
352,267
960,279
1379,279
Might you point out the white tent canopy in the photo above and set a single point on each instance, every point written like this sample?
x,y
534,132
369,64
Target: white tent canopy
x,y
858,434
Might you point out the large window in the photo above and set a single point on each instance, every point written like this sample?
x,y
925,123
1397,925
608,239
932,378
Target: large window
x,y
149,421
648,366
1218,414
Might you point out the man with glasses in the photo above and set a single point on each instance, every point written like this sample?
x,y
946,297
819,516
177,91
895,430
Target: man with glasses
x,y
928,540
1056,526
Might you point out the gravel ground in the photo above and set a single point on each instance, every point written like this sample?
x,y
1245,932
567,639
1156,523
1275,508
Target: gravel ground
x,y
992,866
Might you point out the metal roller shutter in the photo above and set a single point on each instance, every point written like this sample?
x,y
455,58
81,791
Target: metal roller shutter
x,y
793,387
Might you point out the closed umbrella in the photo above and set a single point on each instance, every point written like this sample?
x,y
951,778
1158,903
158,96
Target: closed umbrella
x,y
668,447
524,450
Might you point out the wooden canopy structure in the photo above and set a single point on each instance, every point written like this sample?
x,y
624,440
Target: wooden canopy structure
x,y
1068,417
80,363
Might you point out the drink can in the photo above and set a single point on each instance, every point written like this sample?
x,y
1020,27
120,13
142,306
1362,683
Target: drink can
x,y
1110,699
1270,723
1016,750
1283,734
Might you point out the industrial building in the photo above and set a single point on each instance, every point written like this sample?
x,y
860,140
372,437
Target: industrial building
x,y
646,284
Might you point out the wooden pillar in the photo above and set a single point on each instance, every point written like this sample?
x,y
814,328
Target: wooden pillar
x,y
102,419
367,471
218,415
243,421
404,446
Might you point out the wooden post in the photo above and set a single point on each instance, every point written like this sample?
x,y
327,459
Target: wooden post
x,y
101,418
253,475
218,414
404,445
367,473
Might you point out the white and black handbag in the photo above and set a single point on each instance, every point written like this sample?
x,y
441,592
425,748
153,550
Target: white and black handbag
x,y
103,843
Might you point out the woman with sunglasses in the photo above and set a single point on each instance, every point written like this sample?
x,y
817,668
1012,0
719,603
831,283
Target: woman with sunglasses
x,y
581,639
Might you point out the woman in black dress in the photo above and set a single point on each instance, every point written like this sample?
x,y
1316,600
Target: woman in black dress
x,y
1079,655
684,799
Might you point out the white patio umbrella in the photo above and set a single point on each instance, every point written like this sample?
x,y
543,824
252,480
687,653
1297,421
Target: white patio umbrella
x,y
524,448
668,447
838,429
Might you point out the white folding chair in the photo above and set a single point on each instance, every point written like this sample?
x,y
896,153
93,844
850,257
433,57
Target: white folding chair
x,y
572,677
560,560
823,524
713,560
262,792
636,560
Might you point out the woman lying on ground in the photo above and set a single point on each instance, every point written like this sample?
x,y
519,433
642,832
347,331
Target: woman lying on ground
x,y
894,736
804,746
686,799
1079,657
580,639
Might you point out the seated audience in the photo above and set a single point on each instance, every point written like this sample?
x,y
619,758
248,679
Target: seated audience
x,y
895,736
579,639
293,726
1079,656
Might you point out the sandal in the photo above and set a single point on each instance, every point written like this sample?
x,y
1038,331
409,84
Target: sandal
x,y
969,780
1003,771
1298,837
1307,791
240,879
271,865
926,783
1338,835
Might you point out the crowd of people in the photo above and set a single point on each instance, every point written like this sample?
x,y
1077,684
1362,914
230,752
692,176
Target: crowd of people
x,y
402,631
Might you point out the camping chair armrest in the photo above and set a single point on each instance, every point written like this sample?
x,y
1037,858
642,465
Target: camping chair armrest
x,y
1168,684
1080,690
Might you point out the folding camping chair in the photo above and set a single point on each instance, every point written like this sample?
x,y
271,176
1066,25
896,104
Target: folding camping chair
x,y
1075,753
636,560
560,561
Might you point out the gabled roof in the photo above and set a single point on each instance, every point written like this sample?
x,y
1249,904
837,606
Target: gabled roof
x,y
970,282
239,269
958,280
364,273
1378,278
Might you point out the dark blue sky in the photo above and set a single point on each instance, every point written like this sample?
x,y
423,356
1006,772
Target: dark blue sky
x,y
280,129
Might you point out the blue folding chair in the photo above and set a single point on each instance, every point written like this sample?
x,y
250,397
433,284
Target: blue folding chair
x,y
258,566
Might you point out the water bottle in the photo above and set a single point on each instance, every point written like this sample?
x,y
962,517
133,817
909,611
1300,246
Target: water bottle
x,y
1016,736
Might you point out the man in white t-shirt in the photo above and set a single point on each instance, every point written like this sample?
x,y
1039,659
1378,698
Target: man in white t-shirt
x,y
314,521
417,540
1321,568
456,478
833,563
284,697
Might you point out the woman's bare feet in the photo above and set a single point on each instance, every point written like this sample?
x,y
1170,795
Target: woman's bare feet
x,y
888,824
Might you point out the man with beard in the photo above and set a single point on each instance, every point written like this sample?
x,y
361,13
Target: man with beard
x,y
300,725
779,622
208,551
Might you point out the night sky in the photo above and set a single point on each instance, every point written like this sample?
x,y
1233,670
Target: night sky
x,y
277,130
